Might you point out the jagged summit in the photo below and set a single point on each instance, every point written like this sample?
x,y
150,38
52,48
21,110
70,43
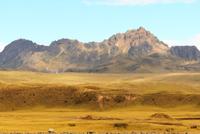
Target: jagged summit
x,y
140,29
138,38
132,51
64,41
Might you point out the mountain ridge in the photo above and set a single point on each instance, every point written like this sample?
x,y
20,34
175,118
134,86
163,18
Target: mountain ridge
x,y
133,51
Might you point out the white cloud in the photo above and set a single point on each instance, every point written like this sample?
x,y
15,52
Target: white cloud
x,y
2,45
134,2
192,41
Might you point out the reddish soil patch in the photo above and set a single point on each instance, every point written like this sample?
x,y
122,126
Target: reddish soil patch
x,y
161,116
90,117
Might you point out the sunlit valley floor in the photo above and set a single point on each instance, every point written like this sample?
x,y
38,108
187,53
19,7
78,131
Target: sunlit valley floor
x,y
99,102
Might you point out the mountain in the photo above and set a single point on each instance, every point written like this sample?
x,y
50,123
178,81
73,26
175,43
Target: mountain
x,y
14,55
186,52
133,51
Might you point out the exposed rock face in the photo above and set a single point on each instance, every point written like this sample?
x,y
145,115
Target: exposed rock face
x,y
139,39
13,54
132,51
186,52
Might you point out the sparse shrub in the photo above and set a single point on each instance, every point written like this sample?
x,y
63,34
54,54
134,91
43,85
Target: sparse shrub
x,y
169,129
120,125
85,97
90,132
119,99
194,126
72,124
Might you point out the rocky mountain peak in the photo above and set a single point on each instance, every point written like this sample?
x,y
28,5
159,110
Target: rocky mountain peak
x,y
137,38
64,42
142,29
19,45
139,30
186,52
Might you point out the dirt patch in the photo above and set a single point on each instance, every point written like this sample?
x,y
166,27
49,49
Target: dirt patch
x,y
190,118
167,123
161,116
90,117
87,117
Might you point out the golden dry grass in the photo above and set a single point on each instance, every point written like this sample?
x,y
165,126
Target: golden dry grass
x,y
136,116
137,83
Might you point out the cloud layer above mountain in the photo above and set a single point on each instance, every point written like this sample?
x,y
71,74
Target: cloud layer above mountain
x,y
191,41
2,45
135,2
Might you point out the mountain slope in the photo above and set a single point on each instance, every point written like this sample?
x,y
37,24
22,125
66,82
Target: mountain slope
x,y
186,52
14,54
133,51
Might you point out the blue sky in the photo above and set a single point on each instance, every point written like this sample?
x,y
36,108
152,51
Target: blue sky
x,y
173,21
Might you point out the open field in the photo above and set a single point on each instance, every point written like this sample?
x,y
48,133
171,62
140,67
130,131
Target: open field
x,y
135,83
73,119
85,101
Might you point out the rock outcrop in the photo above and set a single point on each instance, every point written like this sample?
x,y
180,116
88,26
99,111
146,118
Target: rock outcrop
x,y
186,52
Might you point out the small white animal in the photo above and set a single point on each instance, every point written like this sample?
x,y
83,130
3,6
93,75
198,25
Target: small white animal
x,y
51,131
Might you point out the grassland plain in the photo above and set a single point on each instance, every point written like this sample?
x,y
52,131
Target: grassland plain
x,y
32,101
